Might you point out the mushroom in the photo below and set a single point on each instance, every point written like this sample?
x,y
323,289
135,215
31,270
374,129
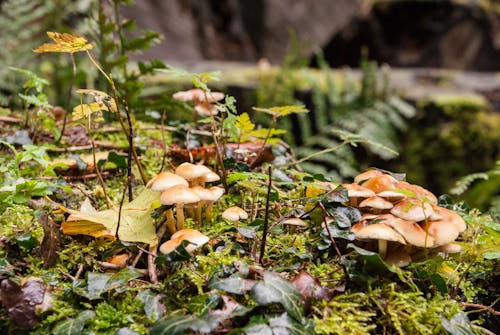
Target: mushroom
x,y
412,210
192,172
294,222
391,195
207,197
164,180
357,192
410,230
398,257
203,100
235,214
380,232
364,176
119,260
198,95
420,192
381,183
161,182
216,193
375,205
179,195
442,231
195,238
445,214
206,109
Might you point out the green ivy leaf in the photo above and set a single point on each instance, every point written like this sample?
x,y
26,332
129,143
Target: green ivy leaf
x,y
233,284
73,326
459,324
274,289
98,283
152,305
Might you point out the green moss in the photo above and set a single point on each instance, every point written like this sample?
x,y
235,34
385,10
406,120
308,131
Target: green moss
x,y
449,139
389,309
17,220
344,314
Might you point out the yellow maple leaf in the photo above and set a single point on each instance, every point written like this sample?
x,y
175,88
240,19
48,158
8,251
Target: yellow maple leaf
x,y
64,42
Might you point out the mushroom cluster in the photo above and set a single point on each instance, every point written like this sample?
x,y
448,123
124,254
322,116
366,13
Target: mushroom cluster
x,y
203,101
401,217
195,238
186,187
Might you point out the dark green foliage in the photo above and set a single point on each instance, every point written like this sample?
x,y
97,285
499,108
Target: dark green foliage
x,y
116,40
371,112
449,138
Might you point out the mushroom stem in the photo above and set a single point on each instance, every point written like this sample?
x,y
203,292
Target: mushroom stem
x,y
169,214
199,208
209,210
153,277
180,215
382,248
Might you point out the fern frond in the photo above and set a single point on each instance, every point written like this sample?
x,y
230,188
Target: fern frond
x,y
464,183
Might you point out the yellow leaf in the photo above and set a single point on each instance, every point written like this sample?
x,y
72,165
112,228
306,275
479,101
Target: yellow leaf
x,y
244,124
136,223
102,98
64,42
262,132
84,110
283,110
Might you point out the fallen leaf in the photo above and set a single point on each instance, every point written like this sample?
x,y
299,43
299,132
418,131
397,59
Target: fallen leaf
x,y
136,223
23,301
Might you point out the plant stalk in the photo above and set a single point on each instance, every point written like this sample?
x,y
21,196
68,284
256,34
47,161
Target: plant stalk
x,y
266,218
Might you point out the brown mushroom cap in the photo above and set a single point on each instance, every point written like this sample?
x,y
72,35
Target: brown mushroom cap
x,y
195,238
412,210
178,194
164,180
418,191
294,222
367,175
375,204
381,183
391,195
398,257
443,232
410,230
379,231
357,191
206,109
449,215
119,260
235,213
198,95
191,171
210,177
186,231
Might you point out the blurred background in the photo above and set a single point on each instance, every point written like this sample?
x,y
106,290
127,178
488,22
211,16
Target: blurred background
x,y
419,78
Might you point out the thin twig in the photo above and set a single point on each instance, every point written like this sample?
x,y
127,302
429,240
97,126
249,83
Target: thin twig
x,y
68,99
488,309
266,218
115,98
153,276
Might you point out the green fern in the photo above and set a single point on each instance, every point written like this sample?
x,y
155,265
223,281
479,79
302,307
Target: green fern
x,y
366,113
21,23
